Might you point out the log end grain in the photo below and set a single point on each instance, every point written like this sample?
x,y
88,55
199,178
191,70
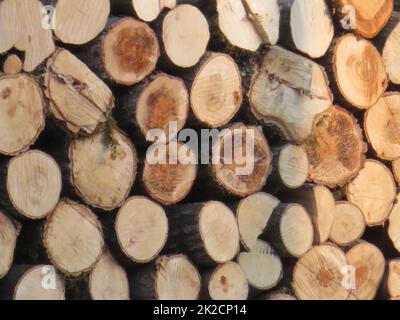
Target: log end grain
x,y
12,64
9,231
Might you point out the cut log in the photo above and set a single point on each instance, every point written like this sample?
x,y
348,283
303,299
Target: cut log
x,y
369,265
252,215
108,280
77,97
103,168
381,126
370,17
290,92
393,279
169,180
9,231
280,294
141,229
306,26
154,105
216,93
359,71
320,204
207,232
22,26
262,266
318,274
79,21
227,282
374,192
348,224
12,65
41,282
389,40
146,10
125,53
73,238
170,278
335,149
290,230
33,185
394,224
185,35
22,116
241,160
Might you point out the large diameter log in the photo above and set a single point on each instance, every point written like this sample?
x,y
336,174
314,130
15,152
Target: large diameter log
x,y
252,215
393,279
108,280
170,278
12,64
9,231
369,265
394,224
146,10
380,126
141,229
359,71
318,274
77,96
73,238
241,160
185,35
169,180
306,26
262,266
374,192
79,21
21,26
335,148
101,171
291,92
33,185
391,49
207,232
348,224
41,282
125,53
22,116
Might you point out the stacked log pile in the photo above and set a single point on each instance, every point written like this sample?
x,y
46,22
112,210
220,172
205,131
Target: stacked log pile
x,y
88,94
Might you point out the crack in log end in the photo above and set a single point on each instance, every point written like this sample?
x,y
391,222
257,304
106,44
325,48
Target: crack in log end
x,y
6,93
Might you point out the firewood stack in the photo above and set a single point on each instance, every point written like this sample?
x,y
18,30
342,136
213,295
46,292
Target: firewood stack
x,y
86,212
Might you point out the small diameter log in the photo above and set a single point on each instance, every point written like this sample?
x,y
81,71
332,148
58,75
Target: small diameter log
x,y
227,282
262,266
252,215
169,180
348,224
9,231
306,26
169,278
108,280
394,224
291,92
335,149
320,204
374,192
33,185
22,27
393,279
103,172
185,35
318,274
73,238
77,97
369,267
216,93
359,71
12,65
369,18
79,21
381,126
207,232
141,229
154,105
391,49
290,230
146,10
241,160
125,53
41,282
22,116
